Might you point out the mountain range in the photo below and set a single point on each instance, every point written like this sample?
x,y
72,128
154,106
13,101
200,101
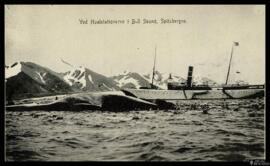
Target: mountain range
x,y
28,79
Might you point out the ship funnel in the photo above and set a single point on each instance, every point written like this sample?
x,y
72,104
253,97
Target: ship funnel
x,y
189,78
170,76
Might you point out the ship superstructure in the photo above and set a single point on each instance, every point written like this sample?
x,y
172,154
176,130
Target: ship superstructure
x,y
188,91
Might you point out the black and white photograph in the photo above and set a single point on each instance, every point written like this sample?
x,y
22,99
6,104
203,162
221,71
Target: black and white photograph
x,y
135,83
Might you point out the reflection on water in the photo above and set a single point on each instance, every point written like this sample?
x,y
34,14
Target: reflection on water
x,y
234,132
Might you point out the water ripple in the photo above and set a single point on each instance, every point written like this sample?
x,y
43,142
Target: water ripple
x,y
173,135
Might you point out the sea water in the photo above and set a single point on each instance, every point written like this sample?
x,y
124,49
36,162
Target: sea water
x,y
231,130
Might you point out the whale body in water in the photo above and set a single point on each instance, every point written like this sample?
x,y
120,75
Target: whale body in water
x,y
112,101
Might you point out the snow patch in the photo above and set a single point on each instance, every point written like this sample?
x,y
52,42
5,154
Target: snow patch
x,y
68,79
127,79
90,79
82,80
107,87
41,77
71,78
13,71
161,79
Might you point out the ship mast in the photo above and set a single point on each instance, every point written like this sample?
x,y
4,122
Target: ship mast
x,y
152,84
229,68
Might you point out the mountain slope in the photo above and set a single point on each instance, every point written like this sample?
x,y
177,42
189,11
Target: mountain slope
x,y
135,80
197,80
26,79
84,79
29,79
161,79
131,80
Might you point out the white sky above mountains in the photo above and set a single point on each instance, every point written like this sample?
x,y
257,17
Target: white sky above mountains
x,y
48,33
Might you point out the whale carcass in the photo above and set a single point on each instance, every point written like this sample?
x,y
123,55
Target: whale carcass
x,y
113,101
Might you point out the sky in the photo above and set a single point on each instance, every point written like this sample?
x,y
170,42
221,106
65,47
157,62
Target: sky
x,y
46,34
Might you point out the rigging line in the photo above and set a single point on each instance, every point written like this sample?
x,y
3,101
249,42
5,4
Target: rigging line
x,y
229,67
154,66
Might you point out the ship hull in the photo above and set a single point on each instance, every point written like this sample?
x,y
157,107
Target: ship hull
x,y
219,93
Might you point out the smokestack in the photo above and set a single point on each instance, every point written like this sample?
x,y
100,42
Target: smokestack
x,y
189,78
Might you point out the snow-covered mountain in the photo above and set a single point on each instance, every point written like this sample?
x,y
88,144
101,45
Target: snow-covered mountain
x,y
84,79
131,80
136,80
197,80
27,79
161,79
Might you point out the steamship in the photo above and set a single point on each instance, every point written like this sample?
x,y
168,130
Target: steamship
x,y
188,91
